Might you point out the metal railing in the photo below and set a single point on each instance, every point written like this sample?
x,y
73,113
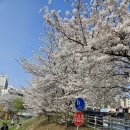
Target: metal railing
x,y
107,123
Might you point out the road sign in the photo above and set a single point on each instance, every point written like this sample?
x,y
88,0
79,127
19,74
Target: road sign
x,y
79,104
78,118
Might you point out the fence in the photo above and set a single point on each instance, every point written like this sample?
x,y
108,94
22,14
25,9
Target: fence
x,y
107,123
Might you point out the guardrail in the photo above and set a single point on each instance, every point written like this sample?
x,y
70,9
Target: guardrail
x,y
107,123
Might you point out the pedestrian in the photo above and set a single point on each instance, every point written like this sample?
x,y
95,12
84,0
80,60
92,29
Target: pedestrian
x,y
12,122
6,127
2,128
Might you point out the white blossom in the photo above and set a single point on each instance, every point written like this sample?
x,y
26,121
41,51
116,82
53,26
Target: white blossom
x,y
84,55
49,1
67,13
74,11
53,12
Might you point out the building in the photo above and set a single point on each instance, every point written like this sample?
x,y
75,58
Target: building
x,y
124,103
121,103
8,89
127,102
3,82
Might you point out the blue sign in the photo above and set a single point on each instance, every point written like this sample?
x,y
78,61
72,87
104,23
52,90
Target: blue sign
x,y
79,104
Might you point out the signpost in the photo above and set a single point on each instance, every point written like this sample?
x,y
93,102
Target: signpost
x,y
79,104
78,116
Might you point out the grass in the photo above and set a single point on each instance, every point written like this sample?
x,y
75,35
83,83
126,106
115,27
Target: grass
x,y
41,123
31,123
8,123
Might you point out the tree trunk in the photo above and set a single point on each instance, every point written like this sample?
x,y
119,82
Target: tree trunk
x,y
48,118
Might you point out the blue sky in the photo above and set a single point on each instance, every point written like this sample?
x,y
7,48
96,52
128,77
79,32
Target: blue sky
x,y
20,28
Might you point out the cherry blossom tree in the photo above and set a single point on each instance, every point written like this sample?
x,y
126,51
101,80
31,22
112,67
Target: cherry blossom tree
x,y
86,32
6,101
84,54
